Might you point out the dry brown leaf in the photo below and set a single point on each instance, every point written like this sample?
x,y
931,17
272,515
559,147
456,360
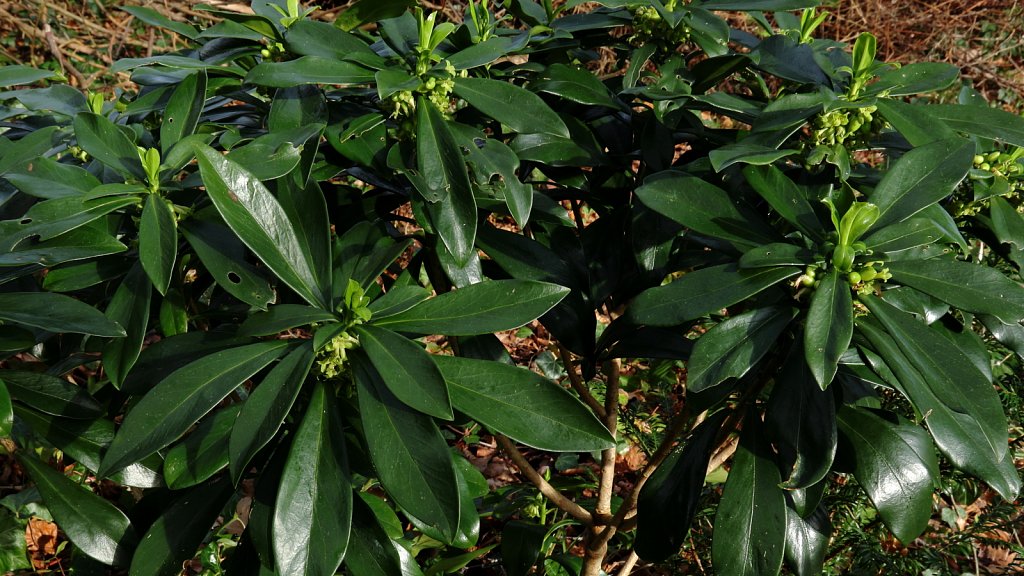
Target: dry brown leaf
x,y
41,540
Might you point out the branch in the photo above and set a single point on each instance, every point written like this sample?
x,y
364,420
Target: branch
x,y
627,567
564,504
611,410
578,385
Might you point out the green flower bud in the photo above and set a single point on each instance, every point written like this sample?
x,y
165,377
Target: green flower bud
x,y
978,160
842,257
986,166
854,278
868,274
992,157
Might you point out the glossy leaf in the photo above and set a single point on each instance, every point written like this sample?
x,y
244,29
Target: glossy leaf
x,y
283,317
801,419
444,183
978,289
957,431
482,308
518,108
735,346
85,441
370,549
896,465
51,395
223,255
807,541
573,84
750,525
308,70
202,453
522,405
920,178
260,221
175,536
93,524
706,209
103,140
307,211
6,411
158,242
703,292
130,308
788,200
408,453
829,327
777,254
992,123
182,398
407,370
521,544
183,110
13,75
313,510
669,500
267,406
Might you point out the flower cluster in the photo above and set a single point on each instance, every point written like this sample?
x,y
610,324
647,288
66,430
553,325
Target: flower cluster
x,y
852,127
649,26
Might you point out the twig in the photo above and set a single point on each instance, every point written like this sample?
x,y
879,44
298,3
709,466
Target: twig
x,y
563,503
611,410
577,383
627,567
51,43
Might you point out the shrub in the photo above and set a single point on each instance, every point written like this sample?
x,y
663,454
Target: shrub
x,y
277,270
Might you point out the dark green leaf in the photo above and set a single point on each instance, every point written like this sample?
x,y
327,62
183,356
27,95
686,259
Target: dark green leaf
x,y
777,254
829,326
314,38
573,84
223,255
408,452
750,525
407,370
920,178
267,406
11,75
705,208
518,108
807,541
154,18
104,141
313,511
158,241
283,317
308,70
970,287
482,308
735,346
56,313
905,235
6,411
896,466
130,308
183,110
13,549
965,419
203,453
522,405
370,550
93,524
85,441
260,221
51,395
788,200
51,218
801,418
175,536
983,121
444,182
916,78
521,544
361,254
307,212
743,153
79,244
182,398
47,178
364,11
669,500
913,122
703,292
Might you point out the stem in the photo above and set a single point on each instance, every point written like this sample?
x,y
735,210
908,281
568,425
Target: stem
x,y
627,567
611,409
564,504
578,385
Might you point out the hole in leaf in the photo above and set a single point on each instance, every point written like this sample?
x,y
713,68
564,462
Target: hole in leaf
x,y
234,278
25,221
